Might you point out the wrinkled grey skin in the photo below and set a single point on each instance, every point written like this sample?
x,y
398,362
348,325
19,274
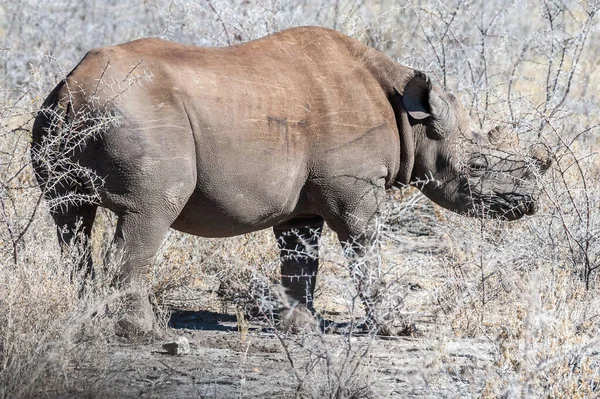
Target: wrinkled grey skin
x,y
288,131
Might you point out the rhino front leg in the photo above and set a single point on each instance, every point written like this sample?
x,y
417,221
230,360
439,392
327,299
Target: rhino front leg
x,y
356,223
298,242
381,305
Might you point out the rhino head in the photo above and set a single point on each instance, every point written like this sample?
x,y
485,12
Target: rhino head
x,y
456,168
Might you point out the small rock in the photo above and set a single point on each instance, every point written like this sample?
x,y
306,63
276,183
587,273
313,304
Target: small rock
x,y
179,347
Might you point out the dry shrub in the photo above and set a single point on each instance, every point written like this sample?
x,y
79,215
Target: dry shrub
x,y
523,287
192,272
47,328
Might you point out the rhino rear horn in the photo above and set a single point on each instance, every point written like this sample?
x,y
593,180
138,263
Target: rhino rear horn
x,y
503,138
542,156
421,102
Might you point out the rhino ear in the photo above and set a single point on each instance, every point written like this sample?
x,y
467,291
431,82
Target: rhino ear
x,y
416,96
421,102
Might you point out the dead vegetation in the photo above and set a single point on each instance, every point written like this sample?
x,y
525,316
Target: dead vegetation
x,y
499,310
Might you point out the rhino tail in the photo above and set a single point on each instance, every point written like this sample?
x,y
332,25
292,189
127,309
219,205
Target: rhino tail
x,y
47,128
51,115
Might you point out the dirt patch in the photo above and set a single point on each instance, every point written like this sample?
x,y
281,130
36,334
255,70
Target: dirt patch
x,y
221,365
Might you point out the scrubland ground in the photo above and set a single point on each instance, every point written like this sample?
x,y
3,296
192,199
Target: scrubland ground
x,y
507,310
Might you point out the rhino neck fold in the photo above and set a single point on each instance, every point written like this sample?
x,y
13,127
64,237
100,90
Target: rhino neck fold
x,y
393,77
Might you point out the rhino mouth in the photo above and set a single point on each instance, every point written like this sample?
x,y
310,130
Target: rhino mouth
x,y
506,206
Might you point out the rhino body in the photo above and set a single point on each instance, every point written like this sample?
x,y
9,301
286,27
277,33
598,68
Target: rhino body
x,y
287,131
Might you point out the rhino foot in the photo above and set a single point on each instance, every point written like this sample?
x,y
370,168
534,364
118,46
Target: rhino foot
x,y
387,330
139,320
298,319
390,328
381,330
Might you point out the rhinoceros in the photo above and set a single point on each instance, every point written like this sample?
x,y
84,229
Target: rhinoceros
x,y
287,132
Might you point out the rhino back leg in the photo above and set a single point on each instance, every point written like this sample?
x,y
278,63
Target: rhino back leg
x,y
74,227
152,204
298,242
147,195
138,237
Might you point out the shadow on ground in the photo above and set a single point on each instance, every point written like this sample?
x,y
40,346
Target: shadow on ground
x,y
202,320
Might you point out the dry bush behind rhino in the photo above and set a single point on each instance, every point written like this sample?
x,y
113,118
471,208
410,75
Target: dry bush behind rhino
x,y
524,287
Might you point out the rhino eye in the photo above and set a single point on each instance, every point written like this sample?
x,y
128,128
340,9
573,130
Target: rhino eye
x,y
478,164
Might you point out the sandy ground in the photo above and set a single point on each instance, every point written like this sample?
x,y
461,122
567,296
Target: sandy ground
x,y
221,365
